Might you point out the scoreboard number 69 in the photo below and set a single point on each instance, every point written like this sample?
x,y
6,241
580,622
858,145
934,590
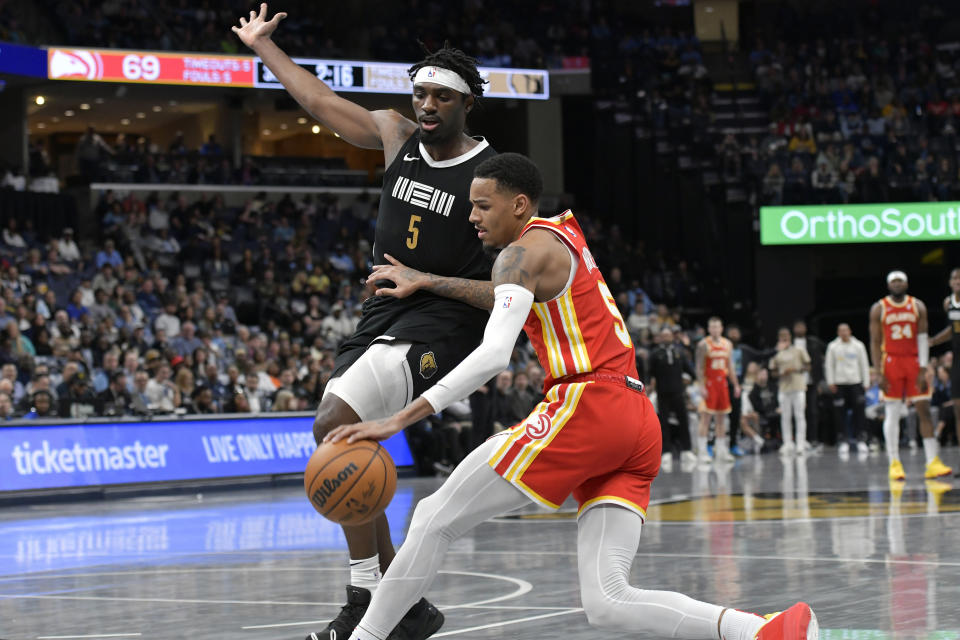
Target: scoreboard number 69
x,y
141,67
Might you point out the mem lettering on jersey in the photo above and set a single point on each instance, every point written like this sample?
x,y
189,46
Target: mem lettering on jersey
x,y
423,195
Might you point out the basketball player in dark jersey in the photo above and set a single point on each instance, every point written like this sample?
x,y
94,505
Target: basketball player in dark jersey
x,y
402,345
951,305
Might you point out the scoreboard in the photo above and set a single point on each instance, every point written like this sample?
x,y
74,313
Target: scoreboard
x,y
168,68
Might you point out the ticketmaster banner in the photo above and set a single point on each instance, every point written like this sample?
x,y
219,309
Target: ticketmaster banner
x,y
855,223
81,454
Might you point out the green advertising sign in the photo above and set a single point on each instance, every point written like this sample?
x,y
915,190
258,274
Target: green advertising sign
x,y
854,223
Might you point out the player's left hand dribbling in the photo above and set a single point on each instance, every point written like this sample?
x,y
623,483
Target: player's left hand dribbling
x,y
405,279
374,430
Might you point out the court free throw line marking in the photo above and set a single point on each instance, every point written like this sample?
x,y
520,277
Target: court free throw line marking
x,y
494,625
97,635
523,587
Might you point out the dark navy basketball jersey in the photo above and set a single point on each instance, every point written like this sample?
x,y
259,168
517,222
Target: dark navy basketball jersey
x,y
423,222
953,316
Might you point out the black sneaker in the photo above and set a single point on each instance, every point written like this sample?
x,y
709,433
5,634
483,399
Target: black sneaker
x,y
358,599
422,621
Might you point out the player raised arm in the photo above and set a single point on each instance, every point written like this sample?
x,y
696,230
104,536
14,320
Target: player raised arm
x,y
371,130
536,264
876,342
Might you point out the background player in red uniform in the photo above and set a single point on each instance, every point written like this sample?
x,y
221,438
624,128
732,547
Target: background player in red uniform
x,y
899,347
595,434
714,368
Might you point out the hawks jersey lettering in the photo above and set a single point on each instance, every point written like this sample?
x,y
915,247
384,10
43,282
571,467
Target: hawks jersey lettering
x,y
423,222
582,330
900,323
718,357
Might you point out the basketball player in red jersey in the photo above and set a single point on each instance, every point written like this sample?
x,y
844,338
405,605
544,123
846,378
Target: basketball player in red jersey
x,y
900,349
714,368
594,435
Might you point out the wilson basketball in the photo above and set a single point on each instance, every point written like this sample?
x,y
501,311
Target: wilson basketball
x,y
350,483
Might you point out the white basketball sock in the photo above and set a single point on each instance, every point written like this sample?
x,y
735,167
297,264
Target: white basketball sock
x,y
701,444
891,430
739,625
930,448
365,573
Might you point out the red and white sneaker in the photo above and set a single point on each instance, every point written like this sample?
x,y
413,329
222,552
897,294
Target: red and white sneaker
x,y
796,623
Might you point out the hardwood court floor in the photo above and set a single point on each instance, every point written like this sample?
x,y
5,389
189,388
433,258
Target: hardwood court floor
x,y
261,564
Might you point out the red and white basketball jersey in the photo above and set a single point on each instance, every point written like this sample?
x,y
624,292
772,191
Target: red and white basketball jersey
x,y
718,357
900,323
582,330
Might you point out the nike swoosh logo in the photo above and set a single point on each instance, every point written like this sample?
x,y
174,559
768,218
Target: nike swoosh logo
x,y
409,158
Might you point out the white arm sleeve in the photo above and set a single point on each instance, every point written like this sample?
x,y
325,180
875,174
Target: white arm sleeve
x,y
511,306
923,347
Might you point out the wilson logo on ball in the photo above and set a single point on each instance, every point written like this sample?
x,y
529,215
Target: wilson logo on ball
x,y
330,485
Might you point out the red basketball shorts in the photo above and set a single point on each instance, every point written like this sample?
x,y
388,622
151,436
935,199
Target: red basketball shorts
x,y
599,441
901,374
717,398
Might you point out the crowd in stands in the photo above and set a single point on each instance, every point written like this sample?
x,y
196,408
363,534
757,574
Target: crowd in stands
x,y
499,33
864,118
193,306
661,70
129,160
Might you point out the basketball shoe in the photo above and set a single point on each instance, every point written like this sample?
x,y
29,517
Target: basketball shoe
x,y
796,623
936,468
420,622
340,628
896,471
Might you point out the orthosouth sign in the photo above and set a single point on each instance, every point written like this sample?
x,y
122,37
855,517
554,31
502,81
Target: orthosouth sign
x,y
860,223
81,455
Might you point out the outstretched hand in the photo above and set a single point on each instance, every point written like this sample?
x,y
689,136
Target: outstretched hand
x,y
407,280
257,28
373,430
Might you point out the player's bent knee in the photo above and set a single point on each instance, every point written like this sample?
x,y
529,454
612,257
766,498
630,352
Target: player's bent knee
x,y
331,413
321,425
430,522
601,610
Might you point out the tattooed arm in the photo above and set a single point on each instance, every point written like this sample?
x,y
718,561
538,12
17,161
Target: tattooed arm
x,y
528,266
478,293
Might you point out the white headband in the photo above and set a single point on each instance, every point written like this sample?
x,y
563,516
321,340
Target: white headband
x,y
896,275
441,76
